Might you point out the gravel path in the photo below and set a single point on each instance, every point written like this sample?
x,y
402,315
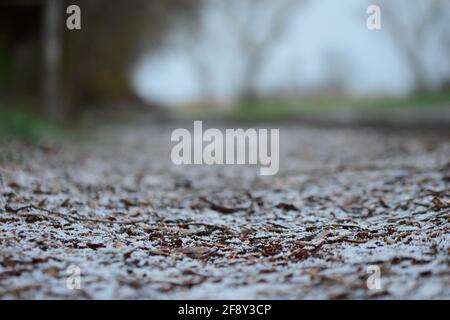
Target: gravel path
x,y
345,204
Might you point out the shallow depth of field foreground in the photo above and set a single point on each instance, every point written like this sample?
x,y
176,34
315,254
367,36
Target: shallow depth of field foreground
x,y
137,226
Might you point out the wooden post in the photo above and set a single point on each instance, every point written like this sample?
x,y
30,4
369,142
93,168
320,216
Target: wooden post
x,y
52,51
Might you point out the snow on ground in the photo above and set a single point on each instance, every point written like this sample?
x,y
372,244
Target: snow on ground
x,y
138,227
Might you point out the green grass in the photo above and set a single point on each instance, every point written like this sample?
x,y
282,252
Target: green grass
x,y
421,100
23,125
278,109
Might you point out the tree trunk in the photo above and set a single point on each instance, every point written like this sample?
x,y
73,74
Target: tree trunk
x,y
52,49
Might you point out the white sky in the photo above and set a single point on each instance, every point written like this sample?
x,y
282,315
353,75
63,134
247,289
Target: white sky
x,y
321,26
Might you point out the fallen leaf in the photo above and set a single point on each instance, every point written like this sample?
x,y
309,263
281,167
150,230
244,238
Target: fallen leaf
x,y
195,252
286,206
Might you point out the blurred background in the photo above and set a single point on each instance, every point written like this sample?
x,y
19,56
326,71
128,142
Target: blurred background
x,y
238,59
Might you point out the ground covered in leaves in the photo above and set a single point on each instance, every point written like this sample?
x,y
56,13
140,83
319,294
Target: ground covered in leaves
x,y
137,226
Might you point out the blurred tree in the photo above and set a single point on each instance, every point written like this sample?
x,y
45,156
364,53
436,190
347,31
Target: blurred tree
x,y
258,27
94,63
413,25
52,51
199,46
336,68
19,47
253,28
99,58
445,40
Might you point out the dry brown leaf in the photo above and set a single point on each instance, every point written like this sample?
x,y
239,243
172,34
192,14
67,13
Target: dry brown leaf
x,y
195,252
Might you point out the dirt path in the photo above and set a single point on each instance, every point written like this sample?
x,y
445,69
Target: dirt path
x,y
136,226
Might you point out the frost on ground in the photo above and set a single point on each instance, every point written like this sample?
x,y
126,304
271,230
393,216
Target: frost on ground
x,y
139,227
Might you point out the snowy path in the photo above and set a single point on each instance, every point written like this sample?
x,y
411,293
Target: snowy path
x,y
139,227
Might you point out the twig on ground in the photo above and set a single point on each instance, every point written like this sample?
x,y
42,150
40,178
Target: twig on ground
x,y
68,216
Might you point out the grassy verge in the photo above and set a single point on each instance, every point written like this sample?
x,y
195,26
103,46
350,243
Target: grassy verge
x,y
19,124
287,109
